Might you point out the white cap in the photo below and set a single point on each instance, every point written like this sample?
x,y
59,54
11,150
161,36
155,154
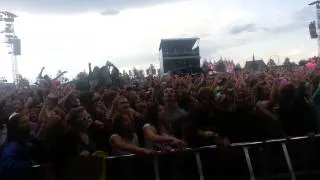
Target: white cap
x,y
13,115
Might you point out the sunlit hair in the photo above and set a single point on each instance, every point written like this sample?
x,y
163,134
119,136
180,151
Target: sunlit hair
x,y
114,106
117,124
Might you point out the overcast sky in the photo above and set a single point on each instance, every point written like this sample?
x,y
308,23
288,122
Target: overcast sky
x,y
67,34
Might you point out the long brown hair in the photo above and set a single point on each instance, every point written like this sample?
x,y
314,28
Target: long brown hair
x,y
152,118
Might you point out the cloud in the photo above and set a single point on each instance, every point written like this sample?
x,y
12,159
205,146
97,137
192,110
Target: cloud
x,y
297,20
107,7
110,12
250,27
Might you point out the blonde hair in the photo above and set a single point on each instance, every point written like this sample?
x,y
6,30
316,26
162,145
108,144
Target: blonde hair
x,y
113,113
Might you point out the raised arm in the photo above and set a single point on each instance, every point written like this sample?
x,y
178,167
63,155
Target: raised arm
x,y
60,74
41,71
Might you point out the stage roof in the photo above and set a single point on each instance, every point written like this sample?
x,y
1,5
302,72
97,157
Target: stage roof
x,y
187,43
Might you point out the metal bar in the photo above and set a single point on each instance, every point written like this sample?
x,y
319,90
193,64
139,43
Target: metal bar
x,y
244,144
248,160
156,168
199,166
288,160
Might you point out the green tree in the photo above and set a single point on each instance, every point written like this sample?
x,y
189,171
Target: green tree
x,y
82,76
151,71
135,73
237,67
130,74
287,62
141,74
302,62
221,67
271,63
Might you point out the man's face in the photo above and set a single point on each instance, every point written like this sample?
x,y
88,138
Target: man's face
x,y
23,124
169,95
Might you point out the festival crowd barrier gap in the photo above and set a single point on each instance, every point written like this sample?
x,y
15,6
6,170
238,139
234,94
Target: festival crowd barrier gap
x,y
284,159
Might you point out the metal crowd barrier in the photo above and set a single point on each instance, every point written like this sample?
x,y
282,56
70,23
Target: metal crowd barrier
x,y
291,173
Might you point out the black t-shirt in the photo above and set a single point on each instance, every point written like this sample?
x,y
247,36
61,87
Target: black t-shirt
x,y
205,118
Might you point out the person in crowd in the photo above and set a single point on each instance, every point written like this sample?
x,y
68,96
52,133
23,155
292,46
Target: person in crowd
x,y
15,160
100,128
78,118
124,139
295,112
173,113
158,132
121,105
80,121
206,124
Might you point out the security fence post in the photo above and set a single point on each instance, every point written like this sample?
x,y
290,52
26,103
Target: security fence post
x,y
156,168
288,160
199,166
248,160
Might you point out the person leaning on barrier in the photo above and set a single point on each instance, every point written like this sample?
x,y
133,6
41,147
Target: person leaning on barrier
x,y
204,125
158,132
124,139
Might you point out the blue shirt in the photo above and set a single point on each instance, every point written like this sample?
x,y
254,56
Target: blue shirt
x,y
15,161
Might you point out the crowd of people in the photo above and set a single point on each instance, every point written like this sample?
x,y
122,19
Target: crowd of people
x,y
54,122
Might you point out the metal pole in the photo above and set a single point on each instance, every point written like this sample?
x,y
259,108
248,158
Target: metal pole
x,y
199,166
318,26
14,68
248,160
288,160
156,168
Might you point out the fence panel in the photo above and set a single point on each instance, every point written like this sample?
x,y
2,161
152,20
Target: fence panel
x,y
305,158
280,159
83,168
269,161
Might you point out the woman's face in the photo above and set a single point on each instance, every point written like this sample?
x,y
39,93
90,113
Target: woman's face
x,y
98,101
86,119
127,123
161,112
123,104
24,123
141,106
33,114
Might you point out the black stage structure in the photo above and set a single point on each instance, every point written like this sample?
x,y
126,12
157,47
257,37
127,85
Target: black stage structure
x,y
180,55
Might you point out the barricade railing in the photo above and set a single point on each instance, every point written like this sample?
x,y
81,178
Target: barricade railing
x,y
246,147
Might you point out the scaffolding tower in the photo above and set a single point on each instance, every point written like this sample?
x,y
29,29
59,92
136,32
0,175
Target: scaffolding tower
x,y
12,41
